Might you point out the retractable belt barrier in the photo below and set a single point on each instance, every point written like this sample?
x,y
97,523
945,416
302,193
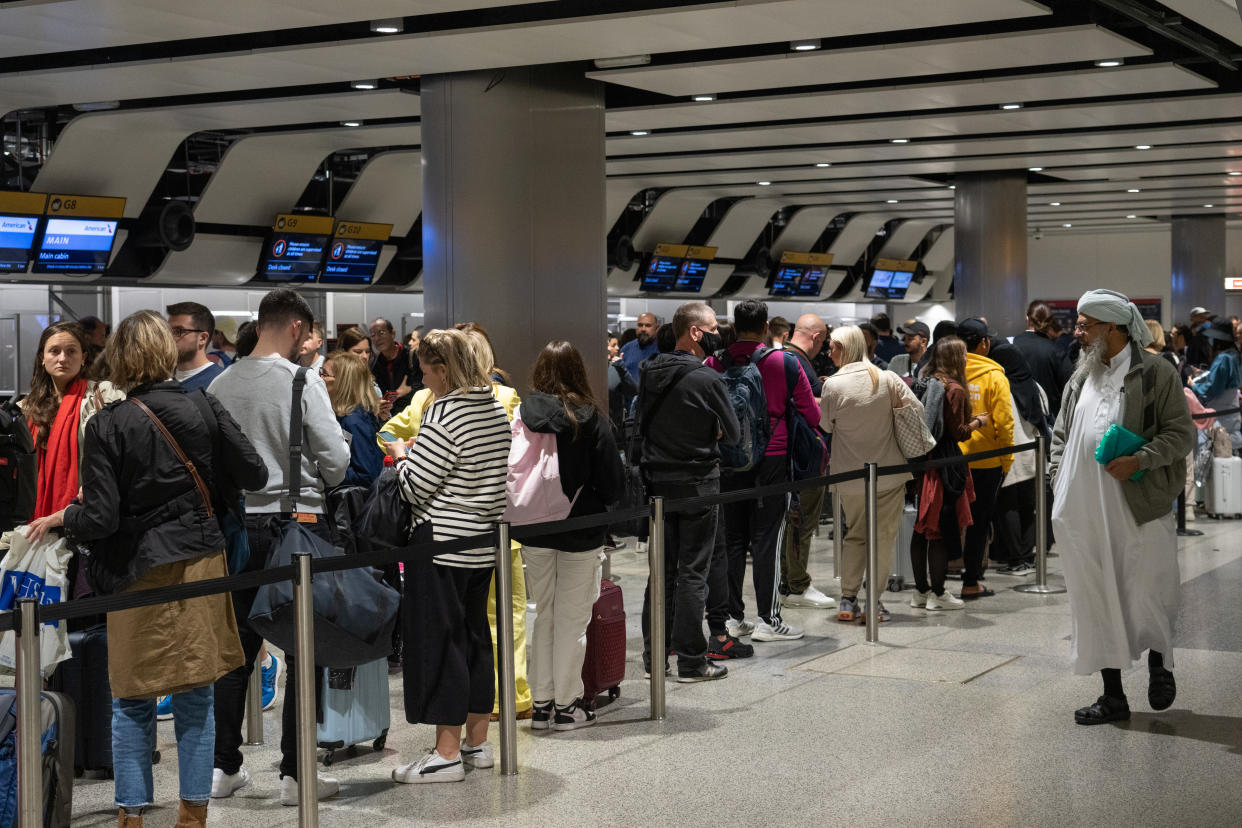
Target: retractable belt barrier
x,y
1182,505
29,615
1223,412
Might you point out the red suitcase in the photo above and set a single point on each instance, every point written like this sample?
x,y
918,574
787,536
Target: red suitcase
x,y
604,666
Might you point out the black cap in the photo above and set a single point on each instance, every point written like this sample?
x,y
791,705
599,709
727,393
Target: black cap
x,y
1222,331
914,326
974,330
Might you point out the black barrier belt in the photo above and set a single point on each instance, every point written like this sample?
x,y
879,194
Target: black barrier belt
x,y
686,504
1207,415
393,554
556,527
924,465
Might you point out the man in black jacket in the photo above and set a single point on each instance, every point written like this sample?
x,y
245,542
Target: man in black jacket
x,y
683,412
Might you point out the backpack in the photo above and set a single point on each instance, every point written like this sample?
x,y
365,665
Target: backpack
x,y
533,492
744,388
19,467
807,446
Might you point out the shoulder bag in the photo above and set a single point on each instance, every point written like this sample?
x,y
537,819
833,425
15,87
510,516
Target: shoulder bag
x,y
913,437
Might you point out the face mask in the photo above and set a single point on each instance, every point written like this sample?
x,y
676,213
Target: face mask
x,y
710,343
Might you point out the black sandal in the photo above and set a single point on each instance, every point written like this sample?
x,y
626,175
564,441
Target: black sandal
x,y
1106,709
1161,690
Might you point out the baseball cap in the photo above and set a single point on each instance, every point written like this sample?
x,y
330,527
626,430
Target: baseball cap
x,y
973,330
1222,331
914,326
1199,309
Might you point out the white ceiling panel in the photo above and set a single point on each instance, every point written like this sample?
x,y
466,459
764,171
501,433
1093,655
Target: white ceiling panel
x,y
262,175
212,260
139,143
741,225
32,28
940,255
1132,80
1220,16
1205,166
389,190
907,236
674,29
930,57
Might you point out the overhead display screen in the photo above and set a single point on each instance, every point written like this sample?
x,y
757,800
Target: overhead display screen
x,y
690,276
900,284
812,281
295,248
78,234
17,235
785,282
878,287
800,274
661,274
891,279
676,267
354,253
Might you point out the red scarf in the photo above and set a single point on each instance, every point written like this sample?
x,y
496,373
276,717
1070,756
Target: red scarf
x,y
931,501
58,463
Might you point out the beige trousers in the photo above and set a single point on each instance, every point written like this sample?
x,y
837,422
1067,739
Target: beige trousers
x,y
854,548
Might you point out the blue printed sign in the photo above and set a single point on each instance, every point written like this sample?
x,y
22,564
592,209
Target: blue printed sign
x,y
19,584
17,235
75,245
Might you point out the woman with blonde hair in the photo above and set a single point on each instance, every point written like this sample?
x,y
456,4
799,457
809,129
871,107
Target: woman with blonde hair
x,y
453,478
156,469
857,409
351,390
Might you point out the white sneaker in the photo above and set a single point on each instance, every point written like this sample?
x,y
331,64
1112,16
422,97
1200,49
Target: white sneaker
x,y
479,756
780,632
431,768
919,599
738,629
326,787
641,547
948,601
223,785
812,598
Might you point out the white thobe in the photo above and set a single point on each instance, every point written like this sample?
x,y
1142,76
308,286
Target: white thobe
x,y
1122,578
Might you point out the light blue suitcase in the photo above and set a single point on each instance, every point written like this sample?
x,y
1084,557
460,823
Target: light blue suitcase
x,y
360,714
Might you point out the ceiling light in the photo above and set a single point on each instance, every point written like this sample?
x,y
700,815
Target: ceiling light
x,y
639,132
763,183
899,140
952,186
1142,146
1134,190
823,164
1067,224
364,84
96,106
1109,63
809,45
351,123
392,25
1054,204
1209,205
892,201
1034,169
1011,106
1235,172
704,98
1132,216
621,62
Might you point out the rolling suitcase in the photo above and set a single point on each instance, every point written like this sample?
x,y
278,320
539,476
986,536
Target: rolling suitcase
x,y
1223,494
604,665
903,567
359,713
57,747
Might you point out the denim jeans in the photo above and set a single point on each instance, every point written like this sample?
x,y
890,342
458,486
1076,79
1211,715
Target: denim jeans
x,y
133,742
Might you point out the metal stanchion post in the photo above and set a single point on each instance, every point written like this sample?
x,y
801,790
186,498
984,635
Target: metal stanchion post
x,y
504,656
254,704
838,534
655,602
304,646
29,717
874,576
1041,586
1182,531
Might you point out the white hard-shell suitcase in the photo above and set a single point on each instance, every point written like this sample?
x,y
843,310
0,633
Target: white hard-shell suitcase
x,y
903,567
1223,493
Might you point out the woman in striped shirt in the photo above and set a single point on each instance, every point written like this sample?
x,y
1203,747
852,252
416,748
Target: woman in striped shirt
x,y
453,477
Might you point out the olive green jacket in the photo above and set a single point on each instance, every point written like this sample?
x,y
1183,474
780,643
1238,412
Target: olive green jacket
x,y
1154,407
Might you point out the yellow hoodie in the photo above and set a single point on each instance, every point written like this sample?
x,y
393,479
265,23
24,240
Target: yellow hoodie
x,y
405,425
989,394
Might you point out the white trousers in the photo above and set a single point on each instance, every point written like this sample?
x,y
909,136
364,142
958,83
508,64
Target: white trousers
x,y
564,587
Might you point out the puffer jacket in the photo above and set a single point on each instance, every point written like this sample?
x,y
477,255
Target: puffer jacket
x,y
989,394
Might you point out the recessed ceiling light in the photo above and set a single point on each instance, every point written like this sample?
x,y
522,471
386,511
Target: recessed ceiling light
x,y
1011,106
1209,205
639,132
1109,63
899,140
390,26
1134,190
952,186
96,106
622,62
1132,216
1035,169
892,201
704,98
1054,204
764,183
364,84
351,123
1067,224
823,164
1235,172
808,45
1142,146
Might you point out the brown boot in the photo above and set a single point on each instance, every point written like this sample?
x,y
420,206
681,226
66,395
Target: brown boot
x,y
125,820
191,816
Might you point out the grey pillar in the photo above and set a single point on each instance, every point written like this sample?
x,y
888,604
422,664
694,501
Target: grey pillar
x,y
989,246
513,210
1198,276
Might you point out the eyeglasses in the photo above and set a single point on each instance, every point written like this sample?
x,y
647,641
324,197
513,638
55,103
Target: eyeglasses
x,y
1081,328
180,332
323,372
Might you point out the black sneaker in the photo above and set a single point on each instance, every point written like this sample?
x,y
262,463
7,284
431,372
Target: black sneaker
x,y
541,715
705,672
731,647
573,717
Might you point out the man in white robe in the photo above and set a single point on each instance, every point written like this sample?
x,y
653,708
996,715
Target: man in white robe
x,y
1116,535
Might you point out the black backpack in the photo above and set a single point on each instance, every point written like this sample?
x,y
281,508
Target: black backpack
x,y
19,468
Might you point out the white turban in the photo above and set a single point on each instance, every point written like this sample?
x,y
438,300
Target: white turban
x,y
1114,307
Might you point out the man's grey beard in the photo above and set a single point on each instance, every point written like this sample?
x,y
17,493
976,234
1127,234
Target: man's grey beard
x,y
1091,360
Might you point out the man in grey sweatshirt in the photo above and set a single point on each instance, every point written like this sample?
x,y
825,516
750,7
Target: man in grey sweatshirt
x,y
258,392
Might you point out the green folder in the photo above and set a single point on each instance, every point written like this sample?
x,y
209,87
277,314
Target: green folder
x,y
1119,441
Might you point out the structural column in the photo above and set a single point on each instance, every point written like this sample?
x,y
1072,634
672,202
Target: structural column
x,y
989,245
1198,276
513,210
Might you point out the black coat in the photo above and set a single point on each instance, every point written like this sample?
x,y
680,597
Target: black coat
x,y
1050,366
139,503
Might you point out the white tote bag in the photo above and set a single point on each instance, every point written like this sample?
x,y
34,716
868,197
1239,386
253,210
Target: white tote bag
x,y
39,572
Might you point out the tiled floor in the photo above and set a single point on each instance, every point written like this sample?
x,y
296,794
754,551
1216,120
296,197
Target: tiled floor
x,y
958,718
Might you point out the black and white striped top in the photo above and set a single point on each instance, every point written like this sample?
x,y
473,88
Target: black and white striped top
x,y
454,474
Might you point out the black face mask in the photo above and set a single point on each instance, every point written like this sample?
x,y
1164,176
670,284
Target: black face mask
x,y
710,343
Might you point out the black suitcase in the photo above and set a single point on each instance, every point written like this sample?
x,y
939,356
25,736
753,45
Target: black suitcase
x,y
58,738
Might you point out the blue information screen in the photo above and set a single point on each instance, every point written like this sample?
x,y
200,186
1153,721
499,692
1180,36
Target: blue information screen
x,y
812,281
292,257
662,273
900,284
880,280
17,234
351,261
785,283
73,245
690,275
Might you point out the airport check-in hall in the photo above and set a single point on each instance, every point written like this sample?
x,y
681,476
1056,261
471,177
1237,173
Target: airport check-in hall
x,y
567,171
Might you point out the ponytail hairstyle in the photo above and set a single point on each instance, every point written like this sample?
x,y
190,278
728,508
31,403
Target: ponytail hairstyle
x,y
1040,316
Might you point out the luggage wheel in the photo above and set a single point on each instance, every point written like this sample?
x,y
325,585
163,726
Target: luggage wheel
x,y
896,583
379,743
329,758
614,692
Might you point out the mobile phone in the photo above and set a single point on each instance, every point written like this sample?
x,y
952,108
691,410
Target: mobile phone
x,y
391,396
387,437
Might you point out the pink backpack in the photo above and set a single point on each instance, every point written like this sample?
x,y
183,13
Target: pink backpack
x,y
533,492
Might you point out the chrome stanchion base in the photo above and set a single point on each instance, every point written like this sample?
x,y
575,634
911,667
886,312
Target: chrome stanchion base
x,y
1040,589
1189,533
